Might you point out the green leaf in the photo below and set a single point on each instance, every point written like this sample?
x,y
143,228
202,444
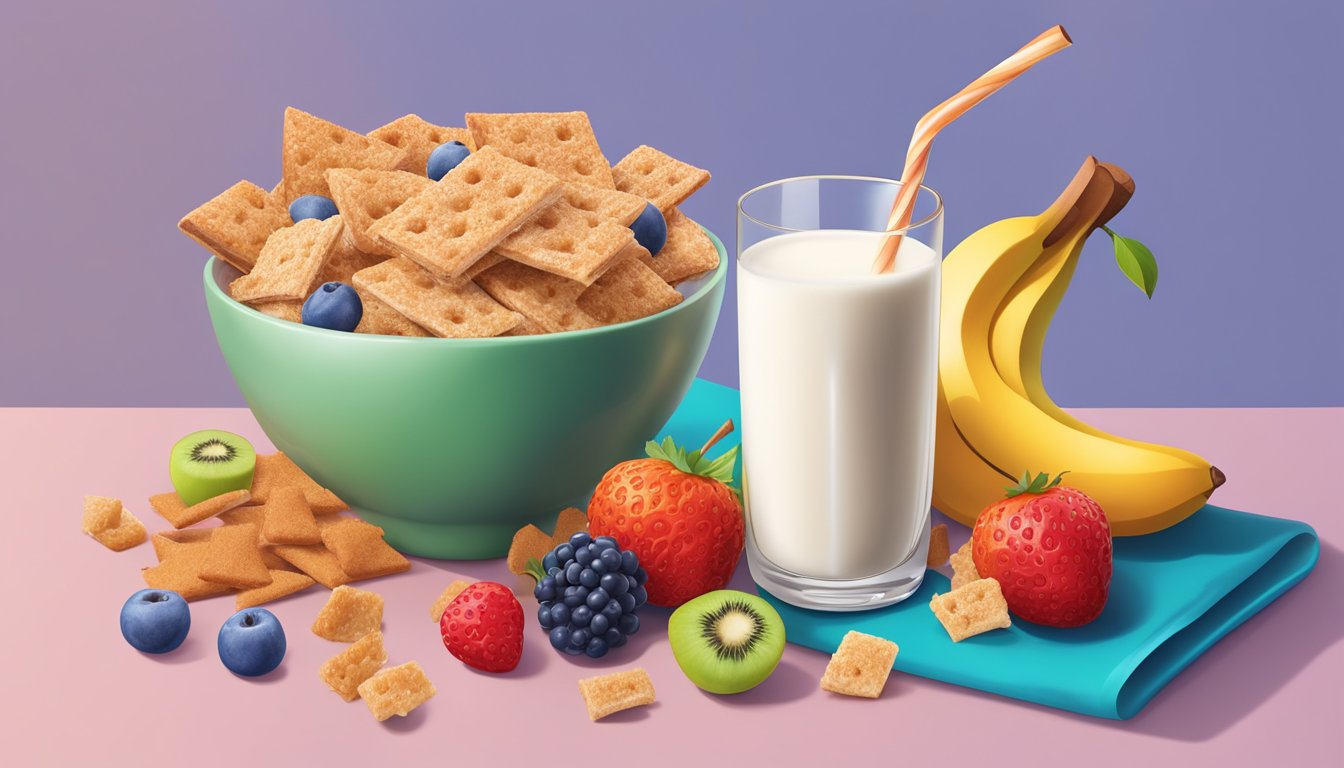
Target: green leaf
x,y
654,451
1136,261
534,569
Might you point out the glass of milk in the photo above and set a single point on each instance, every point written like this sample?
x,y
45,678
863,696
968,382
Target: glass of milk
x,y
839,376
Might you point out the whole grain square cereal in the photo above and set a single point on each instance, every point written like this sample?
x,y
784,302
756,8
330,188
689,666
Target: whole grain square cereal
x,y
344,260
628,290
235,224
419,138
548,300
938,546
560,143
529,543
441,602
456,221
860,666
526,328
277,470
344,672
361,551
101,513
449,310
289,262
610,203
283,584
349,615
232,558
289,519
963,567
166,542
381,320
129,532
316,561
178,570
569,242
363,196
396,690
659,178
972,609
289,310
608,694
171,507
688,252
312,145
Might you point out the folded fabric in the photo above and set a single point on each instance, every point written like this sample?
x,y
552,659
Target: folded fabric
x,y
1173,595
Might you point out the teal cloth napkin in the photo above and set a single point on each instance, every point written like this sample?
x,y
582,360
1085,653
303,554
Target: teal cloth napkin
x,y
1173,595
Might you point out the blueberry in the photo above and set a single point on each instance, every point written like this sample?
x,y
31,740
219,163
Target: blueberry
x,y
598,566
554,573
563,554
334,306
572,572
572,597
311,207
581,616
445,158
606,542
560,637
627,602
580,539
612,610
544,616
611,558
155,620
640,594
583,556
597,599
599,624
650,229
615,584
579,638
252,642
629,623
549,561
581,593
545,590
589,578
559,614
629,562
641,577
615,638
597,648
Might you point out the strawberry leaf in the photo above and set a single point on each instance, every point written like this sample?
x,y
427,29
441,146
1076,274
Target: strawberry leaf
x,y
692,463
534,569
1038,484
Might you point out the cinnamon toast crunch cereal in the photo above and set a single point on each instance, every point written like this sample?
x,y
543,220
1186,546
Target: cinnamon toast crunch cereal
x,y
344,672
972,609
313,145
659,178
396,691
349,615
560,143
441,602
860,666
235,224
608,694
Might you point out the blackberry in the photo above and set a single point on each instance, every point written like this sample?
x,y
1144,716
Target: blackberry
x,y
588,591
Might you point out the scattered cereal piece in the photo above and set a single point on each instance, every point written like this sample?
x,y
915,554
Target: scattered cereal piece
x,y
447,309
570,521
349,615
171,508
289,262
312,145
365,196
419,138
289,519
860,666
688,252
566,241
178,569
559,143
628,290
396,690
938,547
232,558
283,584
441,602
456,221
972,609
316,561
166,542
345,671
963,567
130,532
276,471
608,694
101,513
542,298
662,180
361,551
529,543
235,224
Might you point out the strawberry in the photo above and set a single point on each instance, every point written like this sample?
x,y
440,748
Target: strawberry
x,y
677,512
1049,547
483,627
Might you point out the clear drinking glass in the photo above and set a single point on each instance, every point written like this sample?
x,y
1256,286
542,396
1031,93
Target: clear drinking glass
x,y
839,376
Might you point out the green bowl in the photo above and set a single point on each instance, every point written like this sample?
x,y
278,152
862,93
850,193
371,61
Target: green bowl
x,y
452,445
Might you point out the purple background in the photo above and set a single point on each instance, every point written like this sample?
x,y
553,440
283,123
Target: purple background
x,y
120,118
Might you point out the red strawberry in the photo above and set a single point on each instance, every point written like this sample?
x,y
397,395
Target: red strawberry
x,y
483,627
678,513
1049,547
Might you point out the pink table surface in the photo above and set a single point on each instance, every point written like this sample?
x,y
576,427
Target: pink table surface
x,y
76,694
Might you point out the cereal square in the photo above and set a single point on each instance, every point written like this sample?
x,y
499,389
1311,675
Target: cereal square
x,y
396,690
859,667
178,570
419,138
560,143
568,242
662,180
530,542
382,320
101,513
316,561
628,290
276,470
129,532
289,262
349,615
972,609
345,260
283,584
688,252
548,300
232,558
289,519
441,602
171,507
313,145
938,546
365,196
361,551
235,224
963,567
609,203
608,694
345,671
459,309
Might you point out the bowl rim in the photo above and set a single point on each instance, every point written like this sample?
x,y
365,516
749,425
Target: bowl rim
x,y
715,278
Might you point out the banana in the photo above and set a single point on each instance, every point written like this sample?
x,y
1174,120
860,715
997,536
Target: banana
x,y
1001,287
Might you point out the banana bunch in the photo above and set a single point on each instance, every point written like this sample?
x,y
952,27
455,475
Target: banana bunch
x,y
1001,287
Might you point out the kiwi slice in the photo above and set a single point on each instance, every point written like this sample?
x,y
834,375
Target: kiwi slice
x,y
210,462
726,641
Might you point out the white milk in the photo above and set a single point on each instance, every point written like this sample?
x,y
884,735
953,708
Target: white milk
x,y
839,373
